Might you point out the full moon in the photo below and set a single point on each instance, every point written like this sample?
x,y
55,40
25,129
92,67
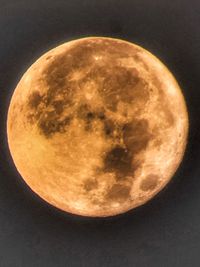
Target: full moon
x,y
97,126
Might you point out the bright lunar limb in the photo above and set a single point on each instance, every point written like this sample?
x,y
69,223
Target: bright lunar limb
x,y
97,126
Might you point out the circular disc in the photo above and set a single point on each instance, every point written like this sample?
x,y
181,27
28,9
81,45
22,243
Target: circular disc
x,y
97,126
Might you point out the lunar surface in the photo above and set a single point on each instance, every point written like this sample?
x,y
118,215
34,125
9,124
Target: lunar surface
x,y
97,126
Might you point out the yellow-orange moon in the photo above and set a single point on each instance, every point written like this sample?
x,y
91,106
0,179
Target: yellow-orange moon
x,y
97,126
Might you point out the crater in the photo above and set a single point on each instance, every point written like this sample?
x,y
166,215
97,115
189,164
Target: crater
x,y
89,114
35,99
165,108
136,135
119,161
119,193
50,124
84,112
90,184
58,106
169,117
109,127
149,183
101,115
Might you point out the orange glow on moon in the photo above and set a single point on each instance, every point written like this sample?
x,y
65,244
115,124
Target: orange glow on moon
x,y
97,126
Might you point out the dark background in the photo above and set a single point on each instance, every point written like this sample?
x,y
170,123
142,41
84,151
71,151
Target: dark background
x,y
166,231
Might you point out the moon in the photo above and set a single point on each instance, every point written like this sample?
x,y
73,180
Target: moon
x,y
97,126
